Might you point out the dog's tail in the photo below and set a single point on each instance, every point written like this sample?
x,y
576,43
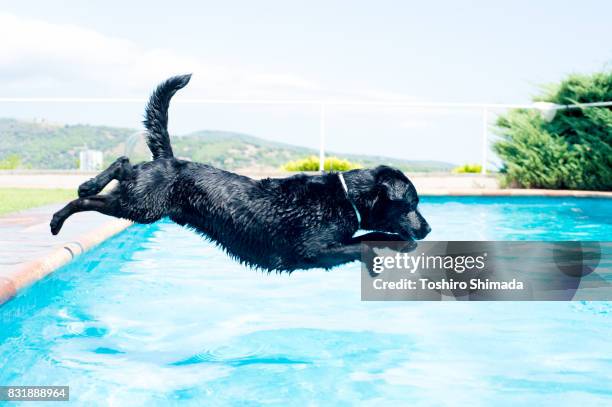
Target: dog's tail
x,y
156,116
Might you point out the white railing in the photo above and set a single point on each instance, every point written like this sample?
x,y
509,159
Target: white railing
x,y
547,110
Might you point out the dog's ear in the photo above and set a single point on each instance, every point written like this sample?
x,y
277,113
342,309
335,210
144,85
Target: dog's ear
x,y
384,191
387,185
392,190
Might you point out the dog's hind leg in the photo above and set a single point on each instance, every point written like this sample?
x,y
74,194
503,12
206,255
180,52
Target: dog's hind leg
x,y
105,204
120,170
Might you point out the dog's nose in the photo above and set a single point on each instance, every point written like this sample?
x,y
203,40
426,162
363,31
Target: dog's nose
x,y
426,230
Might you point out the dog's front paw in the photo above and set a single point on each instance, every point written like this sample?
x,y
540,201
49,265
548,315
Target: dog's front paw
x,y
88,188
407,246
56,224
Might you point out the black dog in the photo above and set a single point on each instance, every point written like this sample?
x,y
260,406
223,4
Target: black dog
x,y
285,224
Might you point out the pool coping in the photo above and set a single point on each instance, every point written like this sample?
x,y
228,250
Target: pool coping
x,y
34,270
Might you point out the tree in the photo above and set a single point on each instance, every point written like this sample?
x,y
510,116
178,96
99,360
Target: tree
x,y
573,151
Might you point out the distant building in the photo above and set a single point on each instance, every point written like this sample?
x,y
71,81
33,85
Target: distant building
x,y
90,160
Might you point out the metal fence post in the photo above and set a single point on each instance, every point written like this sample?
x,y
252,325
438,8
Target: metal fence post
x,y
485,139
322,138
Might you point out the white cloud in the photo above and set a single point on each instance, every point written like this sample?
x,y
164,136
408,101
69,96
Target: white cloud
x,y
38,58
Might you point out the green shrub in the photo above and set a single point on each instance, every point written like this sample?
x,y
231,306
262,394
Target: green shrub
x,y
573,151
468,169
312,164
11,162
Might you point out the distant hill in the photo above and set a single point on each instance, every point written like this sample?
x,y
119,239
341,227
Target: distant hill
x,y
43,145
51,146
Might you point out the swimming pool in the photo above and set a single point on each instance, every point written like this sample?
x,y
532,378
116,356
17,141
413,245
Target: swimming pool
x,y
157,316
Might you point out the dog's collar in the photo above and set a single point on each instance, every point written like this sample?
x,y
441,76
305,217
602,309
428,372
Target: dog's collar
x,y
346,192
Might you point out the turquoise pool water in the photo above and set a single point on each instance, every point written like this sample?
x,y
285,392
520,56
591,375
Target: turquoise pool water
x,y
157,316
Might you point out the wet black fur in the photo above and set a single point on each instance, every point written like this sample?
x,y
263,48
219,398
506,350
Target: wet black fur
x,y
298,222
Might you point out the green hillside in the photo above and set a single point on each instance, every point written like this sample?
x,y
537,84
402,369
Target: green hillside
x,y
51,146
44,145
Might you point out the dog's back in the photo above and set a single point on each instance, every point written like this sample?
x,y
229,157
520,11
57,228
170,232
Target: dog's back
x,y
260,222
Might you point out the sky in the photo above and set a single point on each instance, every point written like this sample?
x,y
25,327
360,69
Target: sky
x,y
434,51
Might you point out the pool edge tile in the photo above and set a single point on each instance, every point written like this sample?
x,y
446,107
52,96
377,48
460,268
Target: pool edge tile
x,y
12,282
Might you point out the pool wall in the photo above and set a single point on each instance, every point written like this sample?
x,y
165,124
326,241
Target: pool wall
x,y
515,192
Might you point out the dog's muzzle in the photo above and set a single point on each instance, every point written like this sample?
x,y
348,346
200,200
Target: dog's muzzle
x,y
414,226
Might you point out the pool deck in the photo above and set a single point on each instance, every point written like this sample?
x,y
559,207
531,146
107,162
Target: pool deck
x,y
29,251
432,184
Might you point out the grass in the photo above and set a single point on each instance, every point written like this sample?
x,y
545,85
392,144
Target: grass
x,y
17,199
